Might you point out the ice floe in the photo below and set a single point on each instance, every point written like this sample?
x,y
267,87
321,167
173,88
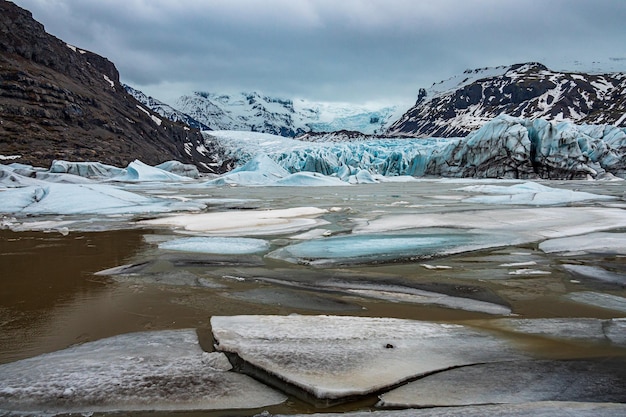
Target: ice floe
x,y
599,243
223,245
138,171
596,273
362,248
164,370
333,357
240,223
572,329
522,225
596,299
515,382
529,193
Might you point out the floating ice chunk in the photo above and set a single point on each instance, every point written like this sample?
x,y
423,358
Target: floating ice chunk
x,y
515,382
416,296
529,271
261,170
309,179
603,243
85,169
164,370
607,301
572,329
221,245
240,223
523,225
52,198
528,193
333,357
595,272
138,171
178,168
375,248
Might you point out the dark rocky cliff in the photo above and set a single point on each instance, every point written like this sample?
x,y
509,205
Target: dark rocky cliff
x,y
60,102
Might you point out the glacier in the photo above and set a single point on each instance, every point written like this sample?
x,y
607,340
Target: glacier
x,y
505,147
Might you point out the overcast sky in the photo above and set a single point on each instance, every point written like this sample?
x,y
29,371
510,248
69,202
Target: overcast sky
x,y
332,50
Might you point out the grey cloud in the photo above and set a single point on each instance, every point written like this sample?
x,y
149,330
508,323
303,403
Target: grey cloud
x,y
353,50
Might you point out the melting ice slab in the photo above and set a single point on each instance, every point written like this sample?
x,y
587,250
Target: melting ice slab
x,y
333,357
516,382
246,222
164,370
222,245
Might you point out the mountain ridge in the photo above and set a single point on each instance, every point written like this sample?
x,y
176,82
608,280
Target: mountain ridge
x,y
462,104
58,101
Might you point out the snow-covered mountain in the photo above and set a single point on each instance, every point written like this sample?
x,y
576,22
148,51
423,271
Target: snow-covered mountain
x,y
464,103
163,109
282,116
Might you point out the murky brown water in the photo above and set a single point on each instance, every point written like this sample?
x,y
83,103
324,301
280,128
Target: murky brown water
x,y
51,299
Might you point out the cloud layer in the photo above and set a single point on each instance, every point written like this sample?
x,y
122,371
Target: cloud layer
x,y
352,50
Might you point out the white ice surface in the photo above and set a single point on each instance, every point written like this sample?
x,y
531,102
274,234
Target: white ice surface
x,y
523,225
138,171
221,245
164,370
529,193
53,198
602,243
241,223
333,357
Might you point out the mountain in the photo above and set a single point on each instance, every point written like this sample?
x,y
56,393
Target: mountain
x,y
282,116
164,110
464,103
61,102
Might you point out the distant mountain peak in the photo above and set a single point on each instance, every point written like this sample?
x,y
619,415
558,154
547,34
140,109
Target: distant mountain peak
x,y
462,104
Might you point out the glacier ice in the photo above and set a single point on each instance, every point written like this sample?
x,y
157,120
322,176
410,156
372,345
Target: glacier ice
x,y
505,147
333,357
138,171
221,245
162,370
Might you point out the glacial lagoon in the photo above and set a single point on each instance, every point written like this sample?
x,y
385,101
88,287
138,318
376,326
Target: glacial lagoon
x,y
538,275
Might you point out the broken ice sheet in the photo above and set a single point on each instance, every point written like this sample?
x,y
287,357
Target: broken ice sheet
x,y
596,273
377,248
245,223
584,330
333,357
219,245
515,382
529,193
596,299
599,243
164,370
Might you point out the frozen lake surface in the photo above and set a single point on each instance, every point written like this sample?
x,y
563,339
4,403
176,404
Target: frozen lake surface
x,y
520,271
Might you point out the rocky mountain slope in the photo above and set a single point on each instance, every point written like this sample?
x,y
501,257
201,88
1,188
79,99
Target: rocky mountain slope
x,y
282,116
464,103
61,102
163,109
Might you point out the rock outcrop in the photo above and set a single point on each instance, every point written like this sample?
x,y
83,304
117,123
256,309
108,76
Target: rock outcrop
x,y
61,102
